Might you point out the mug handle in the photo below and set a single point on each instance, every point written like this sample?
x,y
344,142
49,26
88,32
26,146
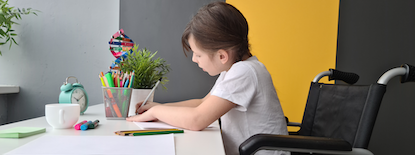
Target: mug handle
x,y
61,120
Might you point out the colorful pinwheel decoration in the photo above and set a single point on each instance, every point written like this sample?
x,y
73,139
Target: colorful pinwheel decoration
x,y
120,46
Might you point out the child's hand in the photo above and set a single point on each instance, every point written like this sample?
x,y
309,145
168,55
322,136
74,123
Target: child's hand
x,y
145,117
147,106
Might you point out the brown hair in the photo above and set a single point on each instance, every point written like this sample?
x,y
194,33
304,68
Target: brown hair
x,y
219,25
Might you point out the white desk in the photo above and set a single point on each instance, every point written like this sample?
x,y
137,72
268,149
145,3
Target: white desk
x,y
206,142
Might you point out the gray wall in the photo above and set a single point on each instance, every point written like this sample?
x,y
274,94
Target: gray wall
x,y
375,36
158,26
70,38
67,38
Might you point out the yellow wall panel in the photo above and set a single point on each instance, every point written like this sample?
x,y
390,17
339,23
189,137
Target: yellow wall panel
x,y
296,40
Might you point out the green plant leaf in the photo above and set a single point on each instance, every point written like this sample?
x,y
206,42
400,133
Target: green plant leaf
x,y
14,41
2,33
7,14
147,70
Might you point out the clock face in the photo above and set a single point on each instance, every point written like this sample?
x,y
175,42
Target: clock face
x,y
78,97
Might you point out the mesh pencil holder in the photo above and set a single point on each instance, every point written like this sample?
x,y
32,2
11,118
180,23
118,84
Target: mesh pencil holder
x,y
116,102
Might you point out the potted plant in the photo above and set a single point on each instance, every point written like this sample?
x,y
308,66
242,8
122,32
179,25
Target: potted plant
x,y
7,15
147,71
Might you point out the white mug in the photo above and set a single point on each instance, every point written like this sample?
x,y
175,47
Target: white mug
x,y
61,116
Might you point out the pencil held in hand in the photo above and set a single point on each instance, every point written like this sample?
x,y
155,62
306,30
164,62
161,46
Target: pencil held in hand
x,y
148,96
137,107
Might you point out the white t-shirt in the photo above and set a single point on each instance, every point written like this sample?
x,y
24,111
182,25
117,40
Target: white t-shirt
x,y
248,84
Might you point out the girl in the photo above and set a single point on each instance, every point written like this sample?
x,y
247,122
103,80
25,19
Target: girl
x,y
243,96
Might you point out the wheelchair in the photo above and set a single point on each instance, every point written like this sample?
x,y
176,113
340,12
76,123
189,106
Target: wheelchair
x,y
338,118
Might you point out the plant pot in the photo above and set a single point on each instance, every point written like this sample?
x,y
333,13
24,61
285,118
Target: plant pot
x,y
139,95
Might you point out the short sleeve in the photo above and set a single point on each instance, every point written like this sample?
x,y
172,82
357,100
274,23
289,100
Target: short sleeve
x,y
238,85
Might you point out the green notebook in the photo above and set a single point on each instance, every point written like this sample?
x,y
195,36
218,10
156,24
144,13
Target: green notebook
x,y
20,132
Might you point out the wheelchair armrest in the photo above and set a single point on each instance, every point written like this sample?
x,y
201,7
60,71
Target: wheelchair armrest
x,y
269,141
293,124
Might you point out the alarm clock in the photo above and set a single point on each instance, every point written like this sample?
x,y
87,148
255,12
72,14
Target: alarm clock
x,y
74,94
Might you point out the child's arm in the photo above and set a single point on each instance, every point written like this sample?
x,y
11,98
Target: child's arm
x,y
192,118
189,103
186,103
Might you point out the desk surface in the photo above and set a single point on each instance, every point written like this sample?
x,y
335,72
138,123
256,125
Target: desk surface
x,y
206,142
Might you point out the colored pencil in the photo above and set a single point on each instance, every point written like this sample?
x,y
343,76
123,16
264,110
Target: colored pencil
x,y
147,132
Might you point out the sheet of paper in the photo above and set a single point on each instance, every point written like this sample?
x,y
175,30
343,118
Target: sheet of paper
x,y
157,125
102,145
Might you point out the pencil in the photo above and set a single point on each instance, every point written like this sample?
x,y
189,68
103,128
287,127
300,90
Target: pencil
x,y
125,79
108,112
105,81
151,92
117,110
107,101
132,80
147,132
118,80
102,80
153,133
154,129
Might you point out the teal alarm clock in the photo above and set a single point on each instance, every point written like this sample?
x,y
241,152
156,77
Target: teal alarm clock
x,y
74,94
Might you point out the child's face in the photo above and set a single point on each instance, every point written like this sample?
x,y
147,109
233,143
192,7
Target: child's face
x,y
209,62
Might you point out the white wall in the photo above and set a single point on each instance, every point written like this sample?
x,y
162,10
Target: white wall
x,y
67,38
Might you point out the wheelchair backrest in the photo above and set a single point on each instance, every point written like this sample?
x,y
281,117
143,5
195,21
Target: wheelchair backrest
x,y
342,111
